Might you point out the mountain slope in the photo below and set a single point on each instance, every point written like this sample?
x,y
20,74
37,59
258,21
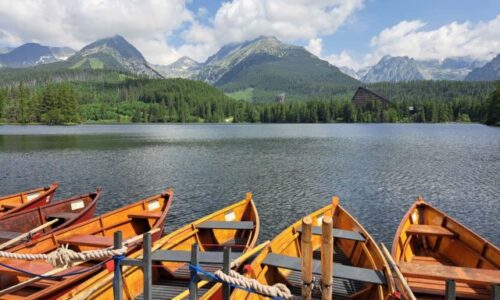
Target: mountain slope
x,y
27,55
184,67
113,53
394,69
270,67
403,68
490,71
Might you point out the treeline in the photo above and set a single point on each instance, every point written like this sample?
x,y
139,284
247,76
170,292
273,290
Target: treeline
x,y
179,100
55,104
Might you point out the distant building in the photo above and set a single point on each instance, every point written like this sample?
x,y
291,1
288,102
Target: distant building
x,y
280,98
363,96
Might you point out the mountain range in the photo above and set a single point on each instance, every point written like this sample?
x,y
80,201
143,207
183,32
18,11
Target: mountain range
x,y
32,54
404,68
256,70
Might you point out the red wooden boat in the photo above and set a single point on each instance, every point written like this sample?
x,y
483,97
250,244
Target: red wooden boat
x,y
51,217
132,220
28,199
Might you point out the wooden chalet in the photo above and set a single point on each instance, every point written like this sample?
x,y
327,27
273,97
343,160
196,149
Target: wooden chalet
x,y
363,96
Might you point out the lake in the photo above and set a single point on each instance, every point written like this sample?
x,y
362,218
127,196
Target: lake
x,y
377,170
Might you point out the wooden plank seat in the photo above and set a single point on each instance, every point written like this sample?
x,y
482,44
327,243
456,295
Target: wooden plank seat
x,y
339,270
9,235
339,233
429,230
61,215
145,215
88,240
204,257
230,225
460,274
437,287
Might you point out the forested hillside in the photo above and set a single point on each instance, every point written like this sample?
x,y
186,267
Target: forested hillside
x,y
71,96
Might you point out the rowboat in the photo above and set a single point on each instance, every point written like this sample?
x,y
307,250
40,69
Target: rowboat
x,y
430,247
236,226
30,224
25,200
359,267
97,233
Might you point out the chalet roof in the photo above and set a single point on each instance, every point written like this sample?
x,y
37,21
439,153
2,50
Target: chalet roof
x,y
364,95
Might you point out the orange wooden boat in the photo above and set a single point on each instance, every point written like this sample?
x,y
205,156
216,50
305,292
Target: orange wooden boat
x,y
360,270
236,226
28,199
67,212
97,233
431,247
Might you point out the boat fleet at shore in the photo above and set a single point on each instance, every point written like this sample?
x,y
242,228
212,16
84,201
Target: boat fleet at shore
x,y
430,249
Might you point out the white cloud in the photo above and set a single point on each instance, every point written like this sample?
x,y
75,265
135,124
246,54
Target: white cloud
x,y
315,46
344,59
479,40
288,20
145,23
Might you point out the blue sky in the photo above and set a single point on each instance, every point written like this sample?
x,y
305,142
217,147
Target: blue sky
x,y
352,33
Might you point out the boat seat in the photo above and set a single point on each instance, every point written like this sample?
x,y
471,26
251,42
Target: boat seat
x,y
467,275
8,206
145,215
61,215
339,233
430,230
204,257
438,288
339,270
88,240
232,225
9,235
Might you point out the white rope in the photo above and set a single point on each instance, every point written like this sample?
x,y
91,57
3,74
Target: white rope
x,y
276,290
64,257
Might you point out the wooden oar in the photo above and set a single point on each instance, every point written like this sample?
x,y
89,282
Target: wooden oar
x,y
234,263
57,270
23,235
400,276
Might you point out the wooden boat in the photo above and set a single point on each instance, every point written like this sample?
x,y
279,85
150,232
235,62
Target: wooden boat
x,y
25,200
359,268
97,233
236,226
431,247
56,216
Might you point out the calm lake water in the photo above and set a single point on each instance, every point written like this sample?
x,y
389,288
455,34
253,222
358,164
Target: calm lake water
x,y
377,170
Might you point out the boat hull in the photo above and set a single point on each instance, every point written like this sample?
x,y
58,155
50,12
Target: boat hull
x,y
429,239
97,233
173,277
34,198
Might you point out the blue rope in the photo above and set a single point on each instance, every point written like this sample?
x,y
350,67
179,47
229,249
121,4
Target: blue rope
x,y
214,277
54,276
118,271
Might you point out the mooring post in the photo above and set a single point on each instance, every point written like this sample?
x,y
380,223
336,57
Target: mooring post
x,y
226,289
117,282
306,247
193,283
147,266
450,293
495,292
327,258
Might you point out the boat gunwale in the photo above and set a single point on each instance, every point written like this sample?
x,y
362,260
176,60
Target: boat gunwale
x,y
94,196
45,192
413,207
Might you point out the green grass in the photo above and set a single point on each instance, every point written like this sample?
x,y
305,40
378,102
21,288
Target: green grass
x,y
95,63
246,94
